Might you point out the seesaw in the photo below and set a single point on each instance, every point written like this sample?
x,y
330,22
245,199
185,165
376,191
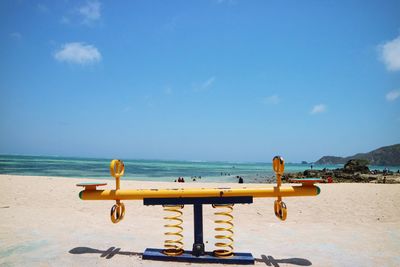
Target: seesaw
x,y
173,201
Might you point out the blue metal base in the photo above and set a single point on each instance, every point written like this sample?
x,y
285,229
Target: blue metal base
x,y
158,255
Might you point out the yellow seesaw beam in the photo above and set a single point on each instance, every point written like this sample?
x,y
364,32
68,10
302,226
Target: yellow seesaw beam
x,y
138,194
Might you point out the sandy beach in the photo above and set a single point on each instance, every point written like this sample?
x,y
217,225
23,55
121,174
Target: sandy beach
x,y
44,223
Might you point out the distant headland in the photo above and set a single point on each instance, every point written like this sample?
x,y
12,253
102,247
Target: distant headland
x,y
384,156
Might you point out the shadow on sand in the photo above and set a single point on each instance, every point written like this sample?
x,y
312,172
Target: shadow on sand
x,y
108,254
112,251
270,261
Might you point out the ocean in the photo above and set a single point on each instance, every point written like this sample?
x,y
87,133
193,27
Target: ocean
x,y
149,170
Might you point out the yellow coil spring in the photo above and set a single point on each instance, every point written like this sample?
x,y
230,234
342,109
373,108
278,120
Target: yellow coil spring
x,y
174,247
225,249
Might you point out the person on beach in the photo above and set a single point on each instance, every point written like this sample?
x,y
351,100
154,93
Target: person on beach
x,y
240,180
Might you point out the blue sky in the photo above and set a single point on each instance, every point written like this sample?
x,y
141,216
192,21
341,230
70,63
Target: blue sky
x,y
199,80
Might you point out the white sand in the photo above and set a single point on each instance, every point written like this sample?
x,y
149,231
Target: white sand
x,y
44,223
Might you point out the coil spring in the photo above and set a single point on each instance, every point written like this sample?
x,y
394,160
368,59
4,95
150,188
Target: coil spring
x,y
225,249
174,247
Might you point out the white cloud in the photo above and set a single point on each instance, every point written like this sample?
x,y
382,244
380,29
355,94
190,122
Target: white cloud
x,y
171,24
206,84
42,8
273,99
168,91
78,53
226,1
91,11
393,95
390,54
65,20
16,35
127,109
318,109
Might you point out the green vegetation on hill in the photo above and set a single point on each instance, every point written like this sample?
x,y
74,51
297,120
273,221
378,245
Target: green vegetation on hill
x,y
384,156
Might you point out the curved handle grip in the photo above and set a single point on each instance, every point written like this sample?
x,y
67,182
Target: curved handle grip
x,y
117,212
280,209
278,164
117,168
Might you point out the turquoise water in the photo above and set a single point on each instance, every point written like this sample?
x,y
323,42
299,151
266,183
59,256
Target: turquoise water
x,y
148,170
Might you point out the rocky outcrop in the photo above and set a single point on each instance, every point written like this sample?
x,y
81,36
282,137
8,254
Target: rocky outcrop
x,y
384,156
356,165
355,171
